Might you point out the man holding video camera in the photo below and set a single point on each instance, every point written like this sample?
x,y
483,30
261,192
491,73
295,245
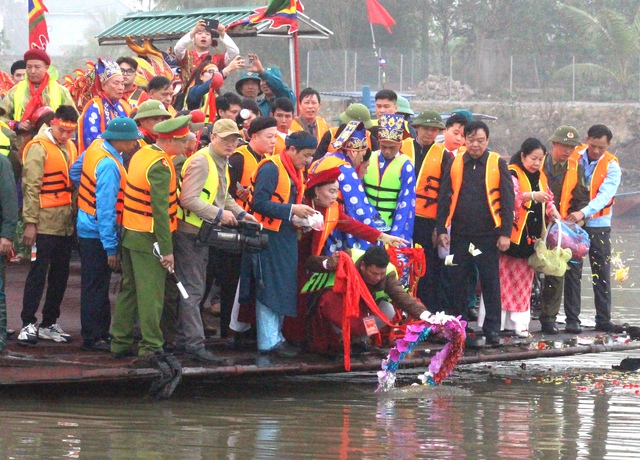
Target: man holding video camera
x,y
204,184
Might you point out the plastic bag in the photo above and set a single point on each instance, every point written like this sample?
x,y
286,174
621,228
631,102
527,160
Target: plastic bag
x,y
574,238
553,261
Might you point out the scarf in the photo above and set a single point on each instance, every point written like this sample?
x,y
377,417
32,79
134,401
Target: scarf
x,y
350,284
294,174
148,134
36,97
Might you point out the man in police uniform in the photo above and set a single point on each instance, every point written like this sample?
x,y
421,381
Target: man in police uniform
x,y
36,91
476,201
602,173
203,196
149,217
566,181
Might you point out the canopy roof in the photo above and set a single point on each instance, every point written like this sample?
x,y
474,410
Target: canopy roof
x,y
171,25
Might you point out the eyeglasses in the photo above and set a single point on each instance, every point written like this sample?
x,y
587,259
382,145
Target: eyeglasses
x,y
127,71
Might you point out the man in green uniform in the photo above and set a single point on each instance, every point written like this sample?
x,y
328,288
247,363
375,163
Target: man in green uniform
x,y
149,217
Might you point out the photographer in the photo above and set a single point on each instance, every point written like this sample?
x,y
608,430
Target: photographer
x,y
277,202
203,195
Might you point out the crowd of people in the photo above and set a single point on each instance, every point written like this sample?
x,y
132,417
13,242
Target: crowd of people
x,y
135,174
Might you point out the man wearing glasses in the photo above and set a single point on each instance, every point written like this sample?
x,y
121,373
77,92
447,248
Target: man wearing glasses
x,y
204,195
133,94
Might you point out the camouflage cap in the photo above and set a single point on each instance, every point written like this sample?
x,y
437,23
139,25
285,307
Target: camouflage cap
x,y
428,118
567,135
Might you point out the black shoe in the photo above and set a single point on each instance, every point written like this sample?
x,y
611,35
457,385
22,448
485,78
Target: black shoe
x,y
492,338
98,345
124,354
284,350
573,328
204,356
472,314
549,328
609,327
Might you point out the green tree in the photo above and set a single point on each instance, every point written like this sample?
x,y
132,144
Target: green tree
x,y
617,41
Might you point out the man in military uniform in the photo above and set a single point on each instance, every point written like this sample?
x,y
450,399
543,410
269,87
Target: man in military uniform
x,y
149,217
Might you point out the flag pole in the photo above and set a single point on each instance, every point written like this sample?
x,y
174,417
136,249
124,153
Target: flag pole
x,y
377,55
296,51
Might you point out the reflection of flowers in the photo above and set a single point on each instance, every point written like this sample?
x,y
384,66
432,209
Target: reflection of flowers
x,y
444,361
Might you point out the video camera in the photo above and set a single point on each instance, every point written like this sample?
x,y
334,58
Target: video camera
x,y
247,236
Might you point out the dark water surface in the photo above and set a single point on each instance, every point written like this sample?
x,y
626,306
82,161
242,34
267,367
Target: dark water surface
x,y
560,408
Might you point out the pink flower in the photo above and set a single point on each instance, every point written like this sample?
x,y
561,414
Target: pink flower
x,y
416,328
402,345
411,336
394,355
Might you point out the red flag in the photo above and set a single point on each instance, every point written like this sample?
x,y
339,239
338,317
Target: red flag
x,y
38,34
378,15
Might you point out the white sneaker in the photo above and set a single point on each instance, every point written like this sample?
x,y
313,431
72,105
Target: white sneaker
x,y
28,334
55,333
523,334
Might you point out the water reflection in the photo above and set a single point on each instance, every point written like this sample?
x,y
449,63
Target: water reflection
x,y
484,412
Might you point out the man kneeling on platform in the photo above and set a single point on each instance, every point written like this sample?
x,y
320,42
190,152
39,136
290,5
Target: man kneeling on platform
x,y
379,292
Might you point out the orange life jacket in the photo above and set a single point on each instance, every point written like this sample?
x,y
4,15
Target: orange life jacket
x,y
249,167
598,177
521,214
280,145
568,185
428,180
138,214
281,194
321,127
87,190
330,222
492,186
409,149
56,184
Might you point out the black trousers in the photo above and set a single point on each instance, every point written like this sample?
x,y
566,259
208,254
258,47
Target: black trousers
x,y
487,265
225,267
53,256
429,286
95,278
599,258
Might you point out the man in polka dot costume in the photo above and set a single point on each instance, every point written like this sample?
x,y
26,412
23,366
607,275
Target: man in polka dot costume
x,y
351,147
390,181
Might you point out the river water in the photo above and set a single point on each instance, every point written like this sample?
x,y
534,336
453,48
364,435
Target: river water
x,y
560,408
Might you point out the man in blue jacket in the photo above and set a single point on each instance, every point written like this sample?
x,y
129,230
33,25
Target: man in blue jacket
x,y
100,177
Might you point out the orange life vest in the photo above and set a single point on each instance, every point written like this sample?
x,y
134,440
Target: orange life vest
x,y
56,184
321,128
87,190
568,185
249,167
280,145
598,177
409,149
521,214
138,214
330,223
492,186
281,194
428,180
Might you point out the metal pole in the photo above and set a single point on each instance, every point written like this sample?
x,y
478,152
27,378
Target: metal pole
x,y
401,69
413,58
573,84
450,74
355,71
308,60
346,63
511,78
292,64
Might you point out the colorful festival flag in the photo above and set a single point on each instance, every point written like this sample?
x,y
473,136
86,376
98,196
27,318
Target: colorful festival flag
x,y
378,15
38,34
281,13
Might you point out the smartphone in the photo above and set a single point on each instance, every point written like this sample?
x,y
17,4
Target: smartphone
x,y
212,24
